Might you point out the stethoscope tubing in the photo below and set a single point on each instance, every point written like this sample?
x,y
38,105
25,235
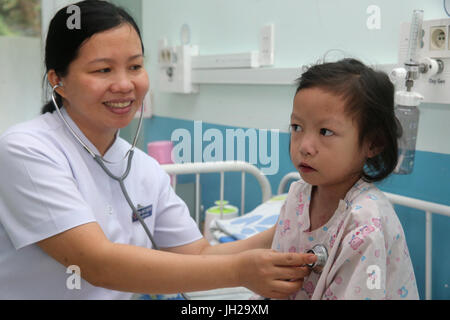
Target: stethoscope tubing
x,y
102,161
121,181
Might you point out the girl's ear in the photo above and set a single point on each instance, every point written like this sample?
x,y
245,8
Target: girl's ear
x,y
373,149
373,145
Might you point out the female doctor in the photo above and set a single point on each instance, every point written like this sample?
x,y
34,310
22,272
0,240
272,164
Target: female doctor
x,y
58,207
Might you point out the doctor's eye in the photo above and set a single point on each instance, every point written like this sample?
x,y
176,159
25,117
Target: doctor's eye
x,y
105,70
325,132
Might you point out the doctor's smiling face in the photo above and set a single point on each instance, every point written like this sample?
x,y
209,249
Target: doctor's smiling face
x,y
106,84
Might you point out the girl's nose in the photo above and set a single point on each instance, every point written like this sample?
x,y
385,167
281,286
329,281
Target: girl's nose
x,y
307,146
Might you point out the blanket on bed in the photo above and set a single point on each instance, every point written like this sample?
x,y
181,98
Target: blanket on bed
x,y
261,218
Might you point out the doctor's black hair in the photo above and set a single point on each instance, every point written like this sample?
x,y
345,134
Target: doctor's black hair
x,y
63,43
369,97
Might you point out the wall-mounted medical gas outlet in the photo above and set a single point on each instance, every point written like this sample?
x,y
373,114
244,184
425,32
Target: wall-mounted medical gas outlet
x,y
433,51
175,68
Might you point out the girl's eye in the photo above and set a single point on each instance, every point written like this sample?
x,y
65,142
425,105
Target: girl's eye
x,y
295,128
326,132
136,67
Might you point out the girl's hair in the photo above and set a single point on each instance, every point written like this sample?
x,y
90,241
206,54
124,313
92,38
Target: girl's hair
x,y
369,97
63,43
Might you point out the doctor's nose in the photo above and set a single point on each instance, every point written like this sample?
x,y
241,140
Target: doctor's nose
x,y
122,83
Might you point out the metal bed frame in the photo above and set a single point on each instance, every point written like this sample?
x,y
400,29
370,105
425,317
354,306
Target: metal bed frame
x,y
221,167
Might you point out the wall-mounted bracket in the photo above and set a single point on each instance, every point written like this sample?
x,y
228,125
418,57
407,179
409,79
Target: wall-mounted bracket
x,y
178,65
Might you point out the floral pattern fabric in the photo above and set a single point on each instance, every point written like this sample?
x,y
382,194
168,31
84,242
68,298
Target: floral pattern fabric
x,y
368,254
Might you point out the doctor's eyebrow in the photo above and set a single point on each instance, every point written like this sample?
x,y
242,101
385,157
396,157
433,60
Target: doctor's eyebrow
x,y
111,60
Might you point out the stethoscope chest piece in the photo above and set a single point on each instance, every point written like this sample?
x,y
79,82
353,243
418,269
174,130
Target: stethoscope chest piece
x,y
322,256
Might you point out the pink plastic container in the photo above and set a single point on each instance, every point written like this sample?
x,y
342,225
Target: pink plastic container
x,y
161,151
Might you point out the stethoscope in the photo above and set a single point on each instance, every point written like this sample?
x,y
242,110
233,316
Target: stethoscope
x,y
99,159
321,253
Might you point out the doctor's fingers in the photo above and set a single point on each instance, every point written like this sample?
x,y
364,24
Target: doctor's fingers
x,y
284,289
293,259
291,273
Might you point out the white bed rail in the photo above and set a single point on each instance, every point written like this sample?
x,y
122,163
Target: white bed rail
x,y
430,208
221,167
284,181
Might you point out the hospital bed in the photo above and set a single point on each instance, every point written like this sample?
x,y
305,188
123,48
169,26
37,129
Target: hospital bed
x,y
266,214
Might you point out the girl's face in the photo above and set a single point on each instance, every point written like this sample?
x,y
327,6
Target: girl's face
x,y
106,84
325,146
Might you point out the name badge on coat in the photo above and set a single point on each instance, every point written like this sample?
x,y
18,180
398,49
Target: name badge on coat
x,y
144,212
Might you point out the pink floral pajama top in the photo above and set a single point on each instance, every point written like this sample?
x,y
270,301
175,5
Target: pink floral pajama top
x,y
368,254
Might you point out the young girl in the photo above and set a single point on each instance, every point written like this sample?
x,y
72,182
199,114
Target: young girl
x,y
343,138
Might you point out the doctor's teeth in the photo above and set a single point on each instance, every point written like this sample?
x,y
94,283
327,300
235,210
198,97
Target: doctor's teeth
x,y
118,104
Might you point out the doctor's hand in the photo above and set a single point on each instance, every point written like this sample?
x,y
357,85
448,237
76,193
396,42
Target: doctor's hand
x,y
273,274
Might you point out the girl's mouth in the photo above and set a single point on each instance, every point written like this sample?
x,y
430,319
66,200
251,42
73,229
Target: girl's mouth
x,y
306,168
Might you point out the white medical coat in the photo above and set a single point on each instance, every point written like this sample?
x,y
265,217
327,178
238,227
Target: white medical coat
x,y
50,184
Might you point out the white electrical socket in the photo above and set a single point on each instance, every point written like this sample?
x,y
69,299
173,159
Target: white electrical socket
x,y
438,37
266,45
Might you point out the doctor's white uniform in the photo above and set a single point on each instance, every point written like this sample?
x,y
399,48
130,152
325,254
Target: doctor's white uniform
x,y
50,184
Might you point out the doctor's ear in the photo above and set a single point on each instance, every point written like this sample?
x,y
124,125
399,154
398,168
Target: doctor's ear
x,y
55,80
